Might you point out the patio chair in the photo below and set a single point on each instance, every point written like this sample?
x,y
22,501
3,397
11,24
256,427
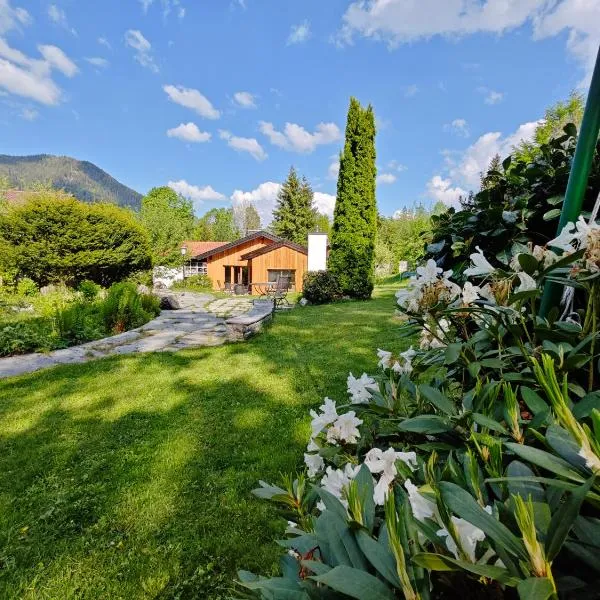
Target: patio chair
x,y
280,291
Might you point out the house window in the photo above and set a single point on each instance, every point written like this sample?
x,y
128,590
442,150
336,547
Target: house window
x,y
275,274
195,267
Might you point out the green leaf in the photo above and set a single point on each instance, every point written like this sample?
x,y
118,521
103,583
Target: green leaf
x,y
355,583
438,399
439,562
535,403
341,540
489,423
544,459
554,200
364,481
332,504
528,263
523,486
563,520
464,505
564,445
280,588
426,424
551,214
535,588
584,407
382,560
316,566
452,353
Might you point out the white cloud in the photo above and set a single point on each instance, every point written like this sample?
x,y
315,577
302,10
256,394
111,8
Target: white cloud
x,y
189,132
143,49
101,63
264,199
197,194
245,99
55,57
32,78
397,166
459,127
400,21
167,7
58,16
296,139
411,90
104,42
299,33
29,114
12,18
334,167
325,203
242,144
190,98
386,178
491,96
441,190
467,167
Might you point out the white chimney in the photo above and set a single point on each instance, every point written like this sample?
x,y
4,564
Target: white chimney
x,y
317,251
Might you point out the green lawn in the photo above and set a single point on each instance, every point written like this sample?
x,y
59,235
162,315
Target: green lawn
x,y
130,477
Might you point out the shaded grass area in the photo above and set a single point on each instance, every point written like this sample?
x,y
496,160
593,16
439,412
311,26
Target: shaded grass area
x,y
130,477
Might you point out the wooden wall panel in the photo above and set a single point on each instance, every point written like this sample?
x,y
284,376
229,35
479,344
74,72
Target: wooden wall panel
x,y
281,258
217,262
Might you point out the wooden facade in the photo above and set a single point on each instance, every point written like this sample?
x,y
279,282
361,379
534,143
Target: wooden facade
x,y
256,259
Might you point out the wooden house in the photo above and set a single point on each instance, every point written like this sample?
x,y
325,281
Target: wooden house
x,y
250,263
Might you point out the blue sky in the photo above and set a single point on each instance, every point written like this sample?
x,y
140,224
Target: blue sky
x,y
220,97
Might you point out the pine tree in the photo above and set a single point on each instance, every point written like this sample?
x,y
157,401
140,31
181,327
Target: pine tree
x,y
354,228
295,215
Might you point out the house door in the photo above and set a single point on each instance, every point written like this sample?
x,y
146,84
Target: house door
x,y
236,275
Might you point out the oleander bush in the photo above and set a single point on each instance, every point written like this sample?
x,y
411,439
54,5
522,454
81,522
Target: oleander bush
x,y
466,467
321,287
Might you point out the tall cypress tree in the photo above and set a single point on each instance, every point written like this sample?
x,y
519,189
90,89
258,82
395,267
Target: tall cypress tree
x,y
354,228
295,215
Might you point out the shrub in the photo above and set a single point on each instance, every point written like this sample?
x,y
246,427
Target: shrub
x,y
201,283
26,335
321,287
124,308
26,287
467,467
78,322
56,238
89,290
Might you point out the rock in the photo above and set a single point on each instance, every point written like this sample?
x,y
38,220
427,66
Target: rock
x,y
303,302
169,302
47,289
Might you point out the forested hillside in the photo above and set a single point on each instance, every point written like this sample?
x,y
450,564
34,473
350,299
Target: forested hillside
x,y
83,179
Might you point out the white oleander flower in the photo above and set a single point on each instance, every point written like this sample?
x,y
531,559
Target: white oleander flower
x,y
314,463
382,462
528,283
434,339
328,415
360,389
480,264
468,535
422,507
405,366
344,429
470,293
312,446
336,481
385,358
429,272
565,239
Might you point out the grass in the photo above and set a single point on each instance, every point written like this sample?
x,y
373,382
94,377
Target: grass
x,y
130,477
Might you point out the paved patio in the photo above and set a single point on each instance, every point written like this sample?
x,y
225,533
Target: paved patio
x,y
199,322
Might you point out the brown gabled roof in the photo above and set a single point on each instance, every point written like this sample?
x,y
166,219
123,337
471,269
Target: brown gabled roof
x,y
195,248
272,247
231,245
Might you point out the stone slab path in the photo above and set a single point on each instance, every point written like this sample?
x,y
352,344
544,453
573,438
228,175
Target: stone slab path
x,y
199,322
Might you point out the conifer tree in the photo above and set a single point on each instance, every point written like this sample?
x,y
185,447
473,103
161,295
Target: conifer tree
x,y
354,227
295,215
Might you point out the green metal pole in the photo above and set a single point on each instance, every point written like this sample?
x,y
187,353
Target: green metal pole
x,y
580,170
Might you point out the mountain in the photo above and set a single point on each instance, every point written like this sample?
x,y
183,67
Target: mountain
x,y
83,179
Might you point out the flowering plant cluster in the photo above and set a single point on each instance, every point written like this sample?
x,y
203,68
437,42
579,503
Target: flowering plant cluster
x,y
467,465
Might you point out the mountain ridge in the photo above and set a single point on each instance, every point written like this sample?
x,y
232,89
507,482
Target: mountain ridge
x,y
81,178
